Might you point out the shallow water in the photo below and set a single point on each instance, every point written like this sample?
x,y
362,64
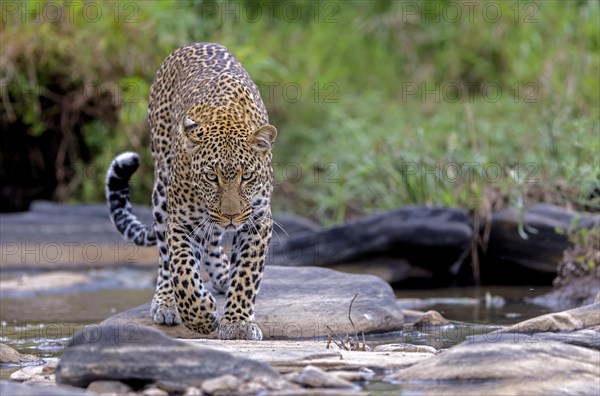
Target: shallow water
x,y
42,325
468,304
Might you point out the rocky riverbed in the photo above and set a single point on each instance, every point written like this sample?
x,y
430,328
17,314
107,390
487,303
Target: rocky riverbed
x,y
557,353
313,318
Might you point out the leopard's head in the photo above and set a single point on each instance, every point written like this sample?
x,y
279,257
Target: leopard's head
x,y
232,169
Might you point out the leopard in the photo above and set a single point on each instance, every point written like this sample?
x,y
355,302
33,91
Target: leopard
x,y
211,144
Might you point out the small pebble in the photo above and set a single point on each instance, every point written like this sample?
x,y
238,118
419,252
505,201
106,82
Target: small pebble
x,y
314,377
405,348
154,391
192,391
109,387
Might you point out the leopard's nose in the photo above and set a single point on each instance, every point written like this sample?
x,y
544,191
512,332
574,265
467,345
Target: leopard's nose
x,y
231,217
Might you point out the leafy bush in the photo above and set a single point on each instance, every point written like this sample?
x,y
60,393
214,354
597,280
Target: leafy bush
x,y
379,103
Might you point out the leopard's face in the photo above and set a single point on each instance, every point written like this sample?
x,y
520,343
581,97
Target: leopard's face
x,y
232,172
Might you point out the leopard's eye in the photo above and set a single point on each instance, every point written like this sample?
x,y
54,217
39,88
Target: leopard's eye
x,y
211,176
246,176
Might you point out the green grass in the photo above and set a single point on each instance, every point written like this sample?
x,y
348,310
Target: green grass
x,y
339,80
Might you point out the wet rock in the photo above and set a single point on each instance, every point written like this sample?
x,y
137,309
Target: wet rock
x,y
146,356
223,385
154,391
32,373
588,338
300,302
411,316
510,257
8,388
361,375
505,367
227,385
578,292
432,238
192,391
431,318
574,319
109,387
314,377
405,348
35,375
11,356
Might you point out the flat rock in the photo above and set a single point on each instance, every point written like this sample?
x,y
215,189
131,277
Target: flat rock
x,y
74,236
10,356
588,338
293,356
505,367
573,319
145,356
57,223
301,302
405,348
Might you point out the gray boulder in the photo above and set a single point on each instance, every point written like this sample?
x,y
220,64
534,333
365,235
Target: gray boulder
x,y
575,293
144,356
10,356
302,302
551,354
433,238
505,365
534,259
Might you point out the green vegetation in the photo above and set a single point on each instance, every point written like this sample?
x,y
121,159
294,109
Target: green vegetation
x,y
378,103
582,257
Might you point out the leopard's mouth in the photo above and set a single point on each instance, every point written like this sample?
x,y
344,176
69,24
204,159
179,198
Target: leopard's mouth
x,y
230,222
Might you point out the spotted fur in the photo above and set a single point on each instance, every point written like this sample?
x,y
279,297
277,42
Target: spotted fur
x,y
211,145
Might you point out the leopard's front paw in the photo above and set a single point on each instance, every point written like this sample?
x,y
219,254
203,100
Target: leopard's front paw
x,y
164,313
239,330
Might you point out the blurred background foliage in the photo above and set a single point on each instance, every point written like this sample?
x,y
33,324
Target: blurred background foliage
x,y
378,103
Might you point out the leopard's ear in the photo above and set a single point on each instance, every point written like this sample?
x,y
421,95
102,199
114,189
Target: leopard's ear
x,y
262,139
190,130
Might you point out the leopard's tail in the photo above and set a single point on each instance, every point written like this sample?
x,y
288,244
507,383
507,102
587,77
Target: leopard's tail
x,y
119,201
